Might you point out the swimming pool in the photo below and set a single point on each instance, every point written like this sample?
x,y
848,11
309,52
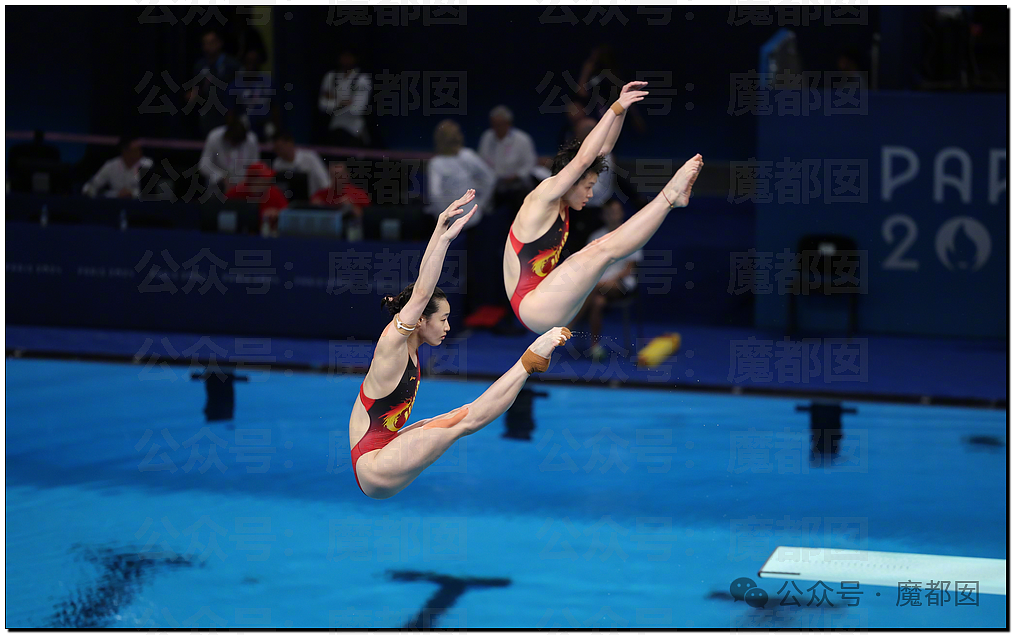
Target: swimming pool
x,y
628,508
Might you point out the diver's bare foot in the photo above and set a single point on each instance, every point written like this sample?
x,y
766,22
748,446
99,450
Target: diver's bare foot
x,y
549,340
680,187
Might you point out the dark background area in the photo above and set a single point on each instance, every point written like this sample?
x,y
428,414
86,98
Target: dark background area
x,y
90,69
78,68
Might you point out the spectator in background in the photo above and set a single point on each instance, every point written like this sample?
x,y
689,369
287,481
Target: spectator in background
x,y
26,160
849,62
259,187
616,283
601,80
300,160
457,169
344,95
252,94
599,68
511,155
228,151
574,113
122,175
341,192
37,150
213,72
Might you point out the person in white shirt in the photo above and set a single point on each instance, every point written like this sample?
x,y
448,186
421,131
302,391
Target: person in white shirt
x,y
122,175
456,169
344,95
228,151
509,152
300,160
616,283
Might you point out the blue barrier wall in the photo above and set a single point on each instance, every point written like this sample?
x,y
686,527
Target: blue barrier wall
x,y
25,207
919,182
684,277
183,281
161,279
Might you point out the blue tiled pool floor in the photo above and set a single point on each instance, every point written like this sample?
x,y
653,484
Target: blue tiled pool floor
x,y
629,508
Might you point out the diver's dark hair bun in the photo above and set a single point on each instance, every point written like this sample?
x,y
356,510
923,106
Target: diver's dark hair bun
x,y
394,303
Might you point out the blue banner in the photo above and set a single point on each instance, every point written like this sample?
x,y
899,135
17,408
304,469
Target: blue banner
x,y
918,180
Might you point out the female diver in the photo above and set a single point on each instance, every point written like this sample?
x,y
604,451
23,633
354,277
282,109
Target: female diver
x,y
387,453
543,295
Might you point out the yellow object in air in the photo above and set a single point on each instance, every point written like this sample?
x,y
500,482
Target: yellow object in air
x,y
660,349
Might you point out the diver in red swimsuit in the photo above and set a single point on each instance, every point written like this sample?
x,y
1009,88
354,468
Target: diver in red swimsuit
x,y
538,257
545,293
388,414
387,453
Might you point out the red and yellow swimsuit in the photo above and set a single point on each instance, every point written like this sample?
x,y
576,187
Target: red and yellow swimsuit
x,y
387,415
538,258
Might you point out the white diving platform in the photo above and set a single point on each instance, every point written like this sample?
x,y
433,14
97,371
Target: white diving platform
x,y
880,568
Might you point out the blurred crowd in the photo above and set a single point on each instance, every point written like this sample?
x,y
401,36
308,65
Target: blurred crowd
x,y
240,117
250,157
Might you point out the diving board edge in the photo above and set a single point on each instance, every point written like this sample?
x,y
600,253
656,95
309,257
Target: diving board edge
x,y
881,568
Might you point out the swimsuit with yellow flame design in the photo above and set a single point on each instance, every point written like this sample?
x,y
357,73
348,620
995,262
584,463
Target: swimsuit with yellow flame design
x,y
389,414
397,416
539,257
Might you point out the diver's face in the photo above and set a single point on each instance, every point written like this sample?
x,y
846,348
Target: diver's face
x,y
436,326
578,195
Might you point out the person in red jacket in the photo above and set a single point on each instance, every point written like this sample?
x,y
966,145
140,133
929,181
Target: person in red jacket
x,y
341,192
259,187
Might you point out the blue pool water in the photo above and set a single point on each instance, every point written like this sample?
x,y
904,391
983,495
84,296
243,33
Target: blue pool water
x,y
628,508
